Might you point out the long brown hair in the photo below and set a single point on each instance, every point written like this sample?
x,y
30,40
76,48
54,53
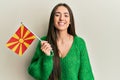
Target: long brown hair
x,y
52,39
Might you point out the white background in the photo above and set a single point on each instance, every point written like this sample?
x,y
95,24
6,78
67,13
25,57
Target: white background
x,y
97,21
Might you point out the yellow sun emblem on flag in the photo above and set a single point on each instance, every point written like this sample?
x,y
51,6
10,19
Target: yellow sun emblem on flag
x,y
21,40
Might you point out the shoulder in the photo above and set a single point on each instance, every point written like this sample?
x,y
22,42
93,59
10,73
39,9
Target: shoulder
x,y
43,37
79,40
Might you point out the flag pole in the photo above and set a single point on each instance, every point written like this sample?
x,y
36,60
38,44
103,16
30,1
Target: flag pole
x,y
32,32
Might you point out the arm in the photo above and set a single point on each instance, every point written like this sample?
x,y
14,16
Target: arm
x,y
85,72
41,65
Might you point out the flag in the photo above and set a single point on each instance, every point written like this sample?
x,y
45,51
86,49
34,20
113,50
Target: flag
x,y
20,40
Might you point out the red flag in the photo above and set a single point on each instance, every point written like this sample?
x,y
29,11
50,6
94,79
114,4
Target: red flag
x,y
21,40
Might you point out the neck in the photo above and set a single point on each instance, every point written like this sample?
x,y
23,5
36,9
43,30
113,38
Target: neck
x,y
63,36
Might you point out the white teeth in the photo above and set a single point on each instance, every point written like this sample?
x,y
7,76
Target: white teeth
x,y
61,23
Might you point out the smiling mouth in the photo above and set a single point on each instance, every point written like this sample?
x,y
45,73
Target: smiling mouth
x,y
61,23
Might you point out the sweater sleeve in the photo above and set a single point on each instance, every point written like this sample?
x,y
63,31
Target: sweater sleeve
x,y
85,72
41,65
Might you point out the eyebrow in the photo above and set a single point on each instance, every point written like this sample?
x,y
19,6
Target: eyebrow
x,y
64,12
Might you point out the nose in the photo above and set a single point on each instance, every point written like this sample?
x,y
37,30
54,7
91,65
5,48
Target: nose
x,y
61,17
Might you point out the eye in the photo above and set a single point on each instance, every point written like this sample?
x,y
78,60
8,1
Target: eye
x,y
66,15
57,15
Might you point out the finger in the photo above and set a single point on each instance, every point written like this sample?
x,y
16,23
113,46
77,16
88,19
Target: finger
x,y
42,42
45,45
46,50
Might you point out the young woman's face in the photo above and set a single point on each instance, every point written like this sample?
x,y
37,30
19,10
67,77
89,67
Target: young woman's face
x,y
61,18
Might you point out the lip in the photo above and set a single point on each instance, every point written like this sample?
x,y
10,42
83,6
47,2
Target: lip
x,y
61,23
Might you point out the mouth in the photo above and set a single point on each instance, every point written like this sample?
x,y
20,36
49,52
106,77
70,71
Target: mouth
x,y
61,23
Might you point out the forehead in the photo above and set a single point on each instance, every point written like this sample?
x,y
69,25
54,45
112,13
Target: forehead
x,y
62,9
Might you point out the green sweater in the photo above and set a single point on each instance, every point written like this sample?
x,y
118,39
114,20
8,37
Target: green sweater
x,y
74,66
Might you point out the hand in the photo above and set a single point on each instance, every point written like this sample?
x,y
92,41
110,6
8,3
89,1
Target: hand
x,y
46,47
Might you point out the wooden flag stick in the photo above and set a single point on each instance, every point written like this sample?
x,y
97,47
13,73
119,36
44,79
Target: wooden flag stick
x,y
32,32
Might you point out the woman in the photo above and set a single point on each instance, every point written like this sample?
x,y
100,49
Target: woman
x,y
62,55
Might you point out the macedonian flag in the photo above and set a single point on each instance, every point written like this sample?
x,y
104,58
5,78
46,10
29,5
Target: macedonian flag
x,y
21,40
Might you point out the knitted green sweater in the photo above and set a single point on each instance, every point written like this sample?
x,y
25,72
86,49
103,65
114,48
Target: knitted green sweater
x,y
74,66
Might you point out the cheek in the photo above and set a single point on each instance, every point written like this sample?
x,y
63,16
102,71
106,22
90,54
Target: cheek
x,y
55,19
68,20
